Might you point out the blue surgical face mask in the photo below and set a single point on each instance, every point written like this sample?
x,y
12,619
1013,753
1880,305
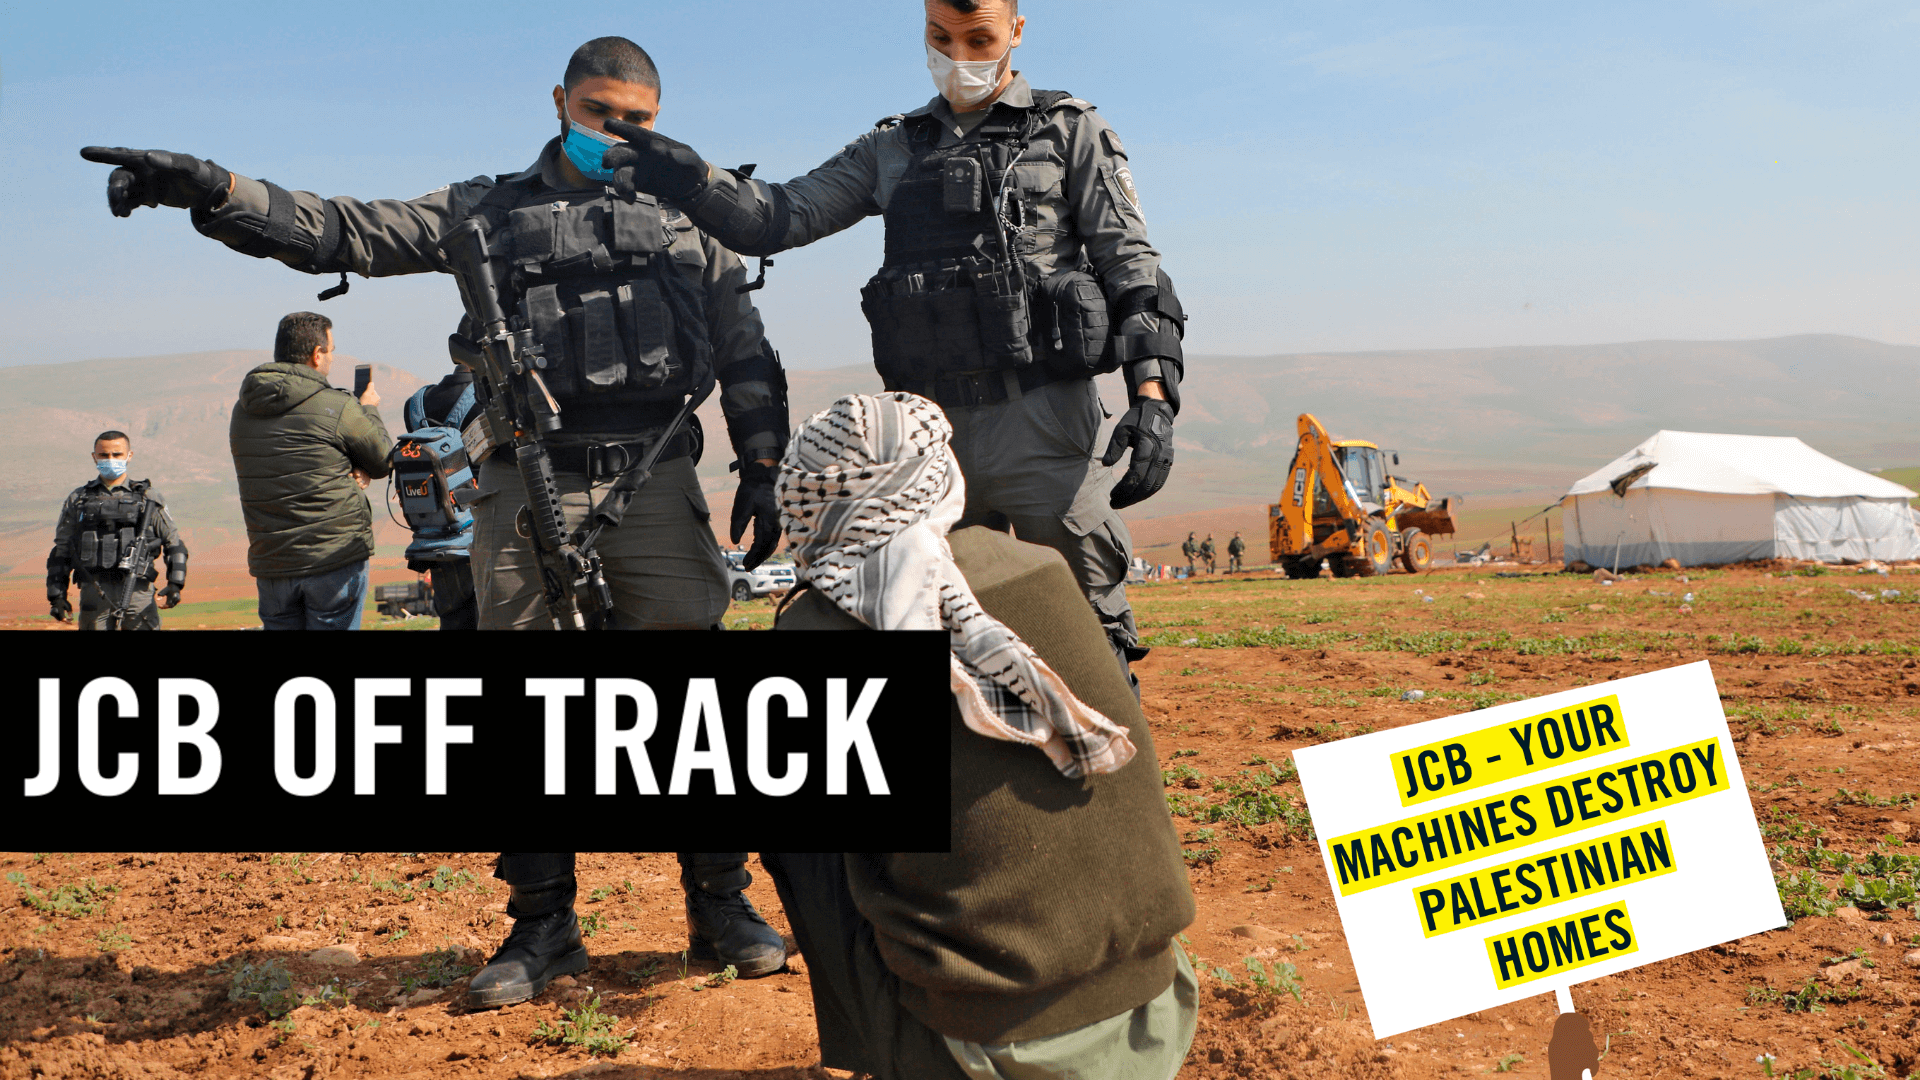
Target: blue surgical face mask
x,y
111,468
585,146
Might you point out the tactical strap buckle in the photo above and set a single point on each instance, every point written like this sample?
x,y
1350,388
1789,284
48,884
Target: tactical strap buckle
x,y
609,459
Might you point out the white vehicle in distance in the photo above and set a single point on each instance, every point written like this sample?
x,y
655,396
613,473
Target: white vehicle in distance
x,y
768,577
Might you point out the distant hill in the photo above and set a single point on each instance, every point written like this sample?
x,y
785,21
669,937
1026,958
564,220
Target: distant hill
x,y
1507,427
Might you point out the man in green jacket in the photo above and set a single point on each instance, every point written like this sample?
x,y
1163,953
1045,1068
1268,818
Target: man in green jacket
x,y
1236,547
304,450
1043,945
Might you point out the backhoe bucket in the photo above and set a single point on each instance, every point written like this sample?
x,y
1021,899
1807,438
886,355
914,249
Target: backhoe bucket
x,y
1435,520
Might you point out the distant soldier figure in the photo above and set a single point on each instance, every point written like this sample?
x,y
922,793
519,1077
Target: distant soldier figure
x,y
1190,550
1206,552
1236,547
100,529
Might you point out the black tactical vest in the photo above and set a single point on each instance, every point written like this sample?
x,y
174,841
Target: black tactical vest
x,y
952,296
106,524
620,322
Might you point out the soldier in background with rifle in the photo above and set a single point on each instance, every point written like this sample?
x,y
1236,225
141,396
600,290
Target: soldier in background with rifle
x,y
110,531
597,321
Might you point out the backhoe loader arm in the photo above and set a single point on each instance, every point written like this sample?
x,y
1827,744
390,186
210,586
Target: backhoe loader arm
x,y
1290,521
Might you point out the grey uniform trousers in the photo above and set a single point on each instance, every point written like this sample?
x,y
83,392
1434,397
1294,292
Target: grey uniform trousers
x,y
143,613
662,564
1028,463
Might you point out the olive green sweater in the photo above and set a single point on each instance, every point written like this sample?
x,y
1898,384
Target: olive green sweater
x,y
296,439
1057,905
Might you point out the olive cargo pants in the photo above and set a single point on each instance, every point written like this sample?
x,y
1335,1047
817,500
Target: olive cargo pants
x,y
662,564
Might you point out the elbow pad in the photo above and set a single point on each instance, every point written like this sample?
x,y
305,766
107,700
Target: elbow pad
x,y
276,234
177,567
768,419
747,215
1156,350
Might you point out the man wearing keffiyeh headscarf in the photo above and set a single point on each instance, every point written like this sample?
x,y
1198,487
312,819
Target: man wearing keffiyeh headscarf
x,y
1041,945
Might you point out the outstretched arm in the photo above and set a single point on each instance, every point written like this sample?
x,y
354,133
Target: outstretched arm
x,y
749,216
262,219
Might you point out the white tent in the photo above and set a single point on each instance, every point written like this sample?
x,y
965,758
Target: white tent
x,y
1703,498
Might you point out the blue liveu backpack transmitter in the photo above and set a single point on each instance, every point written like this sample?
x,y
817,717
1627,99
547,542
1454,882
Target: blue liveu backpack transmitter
x,y
435,480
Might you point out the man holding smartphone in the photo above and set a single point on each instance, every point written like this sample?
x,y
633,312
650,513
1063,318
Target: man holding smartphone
x,y
303,450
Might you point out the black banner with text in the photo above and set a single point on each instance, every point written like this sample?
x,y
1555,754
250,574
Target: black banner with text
x,y
611,742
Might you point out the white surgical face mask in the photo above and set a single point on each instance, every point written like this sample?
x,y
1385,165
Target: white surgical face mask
x,y
965,83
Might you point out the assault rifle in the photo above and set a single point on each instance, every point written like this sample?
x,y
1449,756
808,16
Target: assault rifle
x,y
520,410
134,560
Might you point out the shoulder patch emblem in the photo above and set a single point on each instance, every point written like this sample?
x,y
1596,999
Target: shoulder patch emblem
x,y
1125,176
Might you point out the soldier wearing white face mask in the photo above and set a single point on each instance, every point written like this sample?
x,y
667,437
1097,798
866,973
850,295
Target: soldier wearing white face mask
x,y
1017,267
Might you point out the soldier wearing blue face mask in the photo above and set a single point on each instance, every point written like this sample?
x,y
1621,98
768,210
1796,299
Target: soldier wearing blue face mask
x,y
631,306
96,541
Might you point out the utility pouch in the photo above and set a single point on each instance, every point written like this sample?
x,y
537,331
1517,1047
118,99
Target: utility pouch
x,y
548,321
109,551
1071,327
89,549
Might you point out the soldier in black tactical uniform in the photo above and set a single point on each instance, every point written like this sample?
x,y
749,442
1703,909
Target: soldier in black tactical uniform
x,y
1017,267
632,308
100,529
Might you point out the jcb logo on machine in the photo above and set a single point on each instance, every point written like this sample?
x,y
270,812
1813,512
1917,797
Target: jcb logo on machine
x,y
1299,486
417,489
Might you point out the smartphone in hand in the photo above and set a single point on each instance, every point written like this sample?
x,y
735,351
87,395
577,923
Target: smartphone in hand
x,y
362,378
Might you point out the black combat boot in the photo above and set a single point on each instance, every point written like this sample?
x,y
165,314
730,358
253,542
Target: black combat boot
x,y
722,925
544,945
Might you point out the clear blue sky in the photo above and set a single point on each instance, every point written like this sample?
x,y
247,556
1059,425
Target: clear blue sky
x,y
1319,177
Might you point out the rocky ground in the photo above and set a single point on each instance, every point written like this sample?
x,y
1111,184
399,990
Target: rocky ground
x,y
302,966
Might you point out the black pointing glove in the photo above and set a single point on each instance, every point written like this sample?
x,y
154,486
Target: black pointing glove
x,y
169,596
755,501
157,178
652,163
1148,429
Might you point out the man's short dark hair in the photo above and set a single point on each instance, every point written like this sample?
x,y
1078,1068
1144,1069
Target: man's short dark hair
x,y
611,58
968,7
110,436
299,335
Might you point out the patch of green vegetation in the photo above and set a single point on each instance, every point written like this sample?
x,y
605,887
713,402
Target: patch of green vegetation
x,y
1184,775
1802,895
1842,797
591,923
268,985
585,1027
1186,753
722,977
1810,998
438,969
1270,981
1508,1061
446,879
74,900
1251,800
113,940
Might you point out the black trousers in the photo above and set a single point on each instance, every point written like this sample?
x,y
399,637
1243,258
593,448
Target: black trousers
x,y
549,875
856,999
453,595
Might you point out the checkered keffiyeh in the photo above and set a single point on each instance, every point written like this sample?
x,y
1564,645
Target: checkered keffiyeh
x,y
868,492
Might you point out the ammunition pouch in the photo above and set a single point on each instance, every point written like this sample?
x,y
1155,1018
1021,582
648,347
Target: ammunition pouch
x,y
616,320
932,319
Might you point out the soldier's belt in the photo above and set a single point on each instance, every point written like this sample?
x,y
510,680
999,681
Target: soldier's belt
x,y
968,389
604,461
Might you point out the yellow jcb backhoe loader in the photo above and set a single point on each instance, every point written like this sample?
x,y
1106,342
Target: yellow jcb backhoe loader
x,y
1342,505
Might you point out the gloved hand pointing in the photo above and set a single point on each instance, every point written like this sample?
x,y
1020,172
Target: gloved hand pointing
x,y
756,501
1148,429
652,163
157,178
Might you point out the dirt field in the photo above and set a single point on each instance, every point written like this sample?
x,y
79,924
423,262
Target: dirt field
x,y
129,965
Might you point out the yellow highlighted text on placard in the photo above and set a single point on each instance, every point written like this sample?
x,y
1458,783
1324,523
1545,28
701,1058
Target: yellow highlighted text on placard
x,y
1561,945
1469,832
1545,878
1490,755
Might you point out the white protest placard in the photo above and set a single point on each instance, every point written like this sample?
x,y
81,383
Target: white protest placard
x,y
1498,855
